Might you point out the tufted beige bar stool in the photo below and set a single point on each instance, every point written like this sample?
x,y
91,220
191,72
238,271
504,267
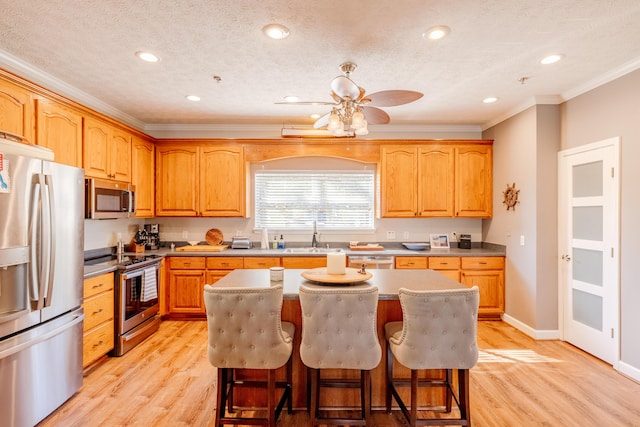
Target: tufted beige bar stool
x,y
339,332
438,331
245,332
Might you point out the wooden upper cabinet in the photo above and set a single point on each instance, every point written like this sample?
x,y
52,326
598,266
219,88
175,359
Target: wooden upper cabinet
x,y
16,110
59,129
222,181
474,181
176,180
106,151
436,180
435,170
142,176
398,181
207,180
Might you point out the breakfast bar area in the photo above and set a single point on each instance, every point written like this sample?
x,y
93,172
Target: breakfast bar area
x,y
388,283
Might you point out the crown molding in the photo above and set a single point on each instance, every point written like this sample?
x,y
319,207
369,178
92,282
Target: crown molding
x,y
603,79
17,66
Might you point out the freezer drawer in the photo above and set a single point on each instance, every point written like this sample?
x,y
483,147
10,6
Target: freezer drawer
x,y
40,369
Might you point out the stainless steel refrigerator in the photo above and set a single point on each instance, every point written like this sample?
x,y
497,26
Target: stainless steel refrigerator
x,y
41,279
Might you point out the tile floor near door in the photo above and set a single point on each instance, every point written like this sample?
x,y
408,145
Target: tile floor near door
x,y
167,381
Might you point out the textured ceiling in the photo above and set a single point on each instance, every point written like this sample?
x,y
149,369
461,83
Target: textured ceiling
x,y
90,45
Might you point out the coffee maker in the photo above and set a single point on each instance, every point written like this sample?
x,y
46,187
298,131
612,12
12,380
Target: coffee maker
x,y
153,236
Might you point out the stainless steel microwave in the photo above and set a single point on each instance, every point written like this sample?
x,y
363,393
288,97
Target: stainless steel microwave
x,y
108,199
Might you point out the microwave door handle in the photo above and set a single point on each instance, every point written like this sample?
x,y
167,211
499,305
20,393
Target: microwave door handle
x,y
51,233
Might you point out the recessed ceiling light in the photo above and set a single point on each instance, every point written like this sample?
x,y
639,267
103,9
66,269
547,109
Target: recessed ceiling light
x,y
490,99
315,116
276,31
437,32
551,59
146,56
194,98
291,98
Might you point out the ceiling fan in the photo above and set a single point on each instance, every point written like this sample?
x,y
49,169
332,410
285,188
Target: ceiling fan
x,y
351,109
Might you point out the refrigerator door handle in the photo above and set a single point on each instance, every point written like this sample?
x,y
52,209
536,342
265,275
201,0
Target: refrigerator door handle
x,y
34,231
49,212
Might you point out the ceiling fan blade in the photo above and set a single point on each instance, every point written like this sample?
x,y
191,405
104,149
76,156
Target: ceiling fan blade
x,y
344,86
390,98
306,103
322,121
375,116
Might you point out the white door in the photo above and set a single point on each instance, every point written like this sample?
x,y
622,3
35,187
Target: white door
x,y
588,245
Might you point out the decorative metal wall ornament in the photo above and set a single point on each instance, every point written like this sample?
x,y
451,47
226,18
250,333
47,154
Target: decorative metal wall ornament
x,y
511,196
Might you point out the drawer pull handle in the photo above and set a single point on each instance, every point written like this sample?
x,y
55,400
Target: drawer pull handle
x,y
98,285
482,263
99,343
98,311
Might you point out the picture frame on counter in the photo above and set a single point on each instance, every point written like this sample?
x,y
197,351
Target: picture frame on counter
x,y
439,241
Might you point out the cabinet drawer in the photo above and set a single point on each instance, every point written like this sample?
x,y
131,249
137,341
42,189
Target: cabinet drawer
x,y
411,262
97,343
97,284
304,262
444,263
483,263
225,263
195,262
98,309
261,262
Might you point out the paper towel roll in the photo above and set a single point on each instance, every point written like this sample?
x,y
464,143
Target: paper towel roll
x,y
336,262
264,242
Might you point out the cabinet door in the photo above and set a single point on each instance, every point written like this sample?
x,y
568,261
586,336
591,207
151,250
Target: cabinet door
x,y
490,283
222,181
411,262
474,181
398,181
16,110
436,181
186,291
60,129
96,148
447,266
120,156
261,262
176,181
142,173
304,262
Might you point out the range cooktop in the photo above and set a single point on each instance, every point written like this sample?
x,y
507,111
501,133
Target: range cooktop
x,y
125,262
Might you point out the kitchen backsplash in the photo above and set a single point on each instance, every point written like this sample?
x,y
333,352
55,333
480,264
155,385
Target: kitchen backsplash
x,y
103,233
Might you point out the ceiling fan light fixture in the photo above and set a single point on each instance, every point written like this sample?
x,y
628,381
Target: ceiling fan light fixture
x,y
363,130
437,32
276,31
357,120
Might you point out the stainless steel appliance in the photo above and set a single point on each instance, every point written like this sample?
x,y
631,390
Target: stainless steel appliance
x,y
41,273
372,261
109,199
153,236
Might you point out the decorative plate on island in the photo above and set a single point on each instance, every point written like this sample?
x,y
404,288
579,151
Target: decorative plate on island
x,y
417,246
351,276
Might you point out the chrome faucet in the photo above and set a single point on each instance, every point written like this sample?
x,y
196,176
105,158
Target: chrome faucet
x,y
314,242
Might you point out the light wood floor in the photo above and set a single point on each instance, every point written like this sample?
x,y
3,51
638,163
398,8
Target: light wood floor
x,y
167,381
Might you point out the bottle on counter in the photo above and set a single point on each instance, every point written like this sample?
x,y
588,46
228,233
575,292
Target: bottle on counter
x,y
275,242
281,242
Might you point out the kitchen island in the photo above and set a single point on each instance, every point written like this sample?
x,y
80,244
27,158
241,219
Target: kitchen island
x,y
388,283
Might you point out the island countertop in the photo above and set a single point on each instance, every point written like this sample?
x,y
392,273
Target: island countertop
x,y
388,282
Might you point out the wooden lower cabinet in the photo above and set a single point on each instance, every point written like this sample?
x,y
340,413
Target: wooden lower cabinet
x,y
218,267
446,265
98,326
487,273
411,262
261,262
186,281
304,261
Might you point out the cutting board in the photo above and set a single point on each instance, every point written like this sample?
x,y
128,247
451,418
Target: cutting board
x,y
202,248
366,248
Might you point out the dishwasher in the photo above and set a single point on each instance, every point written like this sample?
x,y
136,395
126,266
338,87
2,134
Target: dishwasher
x,y
372,261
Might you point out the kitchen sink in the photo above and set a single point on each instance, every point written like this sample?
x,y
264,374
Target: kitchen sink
x,y
310,250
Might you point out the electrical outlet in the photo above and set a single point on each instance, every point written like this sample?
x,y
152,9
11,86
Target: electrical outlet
x,y
405,235
522,240
454,237
391,235
185,234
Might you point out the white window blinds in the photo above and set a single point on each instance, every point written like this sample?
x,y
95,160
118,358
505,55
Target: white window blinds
x,y
337,200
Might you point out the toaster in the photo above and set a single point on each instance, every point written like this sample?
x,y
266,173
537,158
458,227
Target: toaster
x,y
239,242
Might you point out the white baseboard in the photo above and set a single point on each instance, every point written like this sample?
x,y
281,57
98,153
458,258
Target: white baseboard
x,y
629,371
528,330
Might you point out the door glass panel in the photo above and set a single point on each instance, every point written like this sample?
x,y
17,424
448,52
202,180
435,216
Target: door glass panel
x,y
587,223
587,180
587,266
587,309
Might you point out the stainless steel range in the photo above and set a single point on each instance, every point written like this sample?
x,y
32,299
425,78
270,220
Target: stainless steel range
x,y
136,298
